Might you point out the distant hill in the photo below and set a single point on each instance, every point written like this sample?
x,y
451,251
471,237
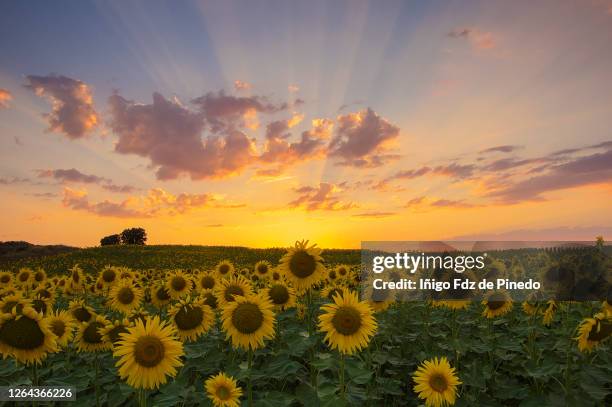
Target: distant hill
x,y
10,251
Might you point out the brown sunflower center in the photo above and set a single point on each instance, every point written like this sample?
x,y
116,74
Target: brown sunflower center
x,y
600,331
223,393
58,327
43,293
438,383
279,294
81,314
149,351
332,275
39,276
262,268
189,317
39,306
302,264
91,334
210,300
178,283
247,318
224,268
162,294
23,277
207,282
125,295
342,271
75,277
231,291
276,275
5,278
23,333
113,334
347,320
8,307
109,276
496,301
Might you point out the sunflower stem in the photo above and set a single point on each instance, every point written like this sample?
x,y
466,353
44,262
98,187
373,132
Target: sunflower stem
x,y
249,383
341,377
96,380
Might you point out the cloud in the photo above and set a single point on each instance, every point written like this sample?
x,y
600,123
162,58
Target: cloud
x,y
43,195
170,135
587,170
241,85
13,180
225,112
501,149
76,176
293,88
323,197
481,40
5,97
73,112
157,202
374,215
453,170
284,153
361,139
424,203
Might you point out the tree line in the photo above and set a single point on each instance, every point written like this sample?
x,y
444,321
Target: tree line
x,y
128,236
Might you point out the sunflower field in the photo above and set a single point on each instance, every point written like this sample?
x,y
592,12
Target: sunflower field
x,y
222,326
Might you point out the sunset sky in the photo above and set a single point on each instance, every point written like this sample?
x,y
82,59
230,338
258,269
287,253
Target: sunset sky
x,y
259,123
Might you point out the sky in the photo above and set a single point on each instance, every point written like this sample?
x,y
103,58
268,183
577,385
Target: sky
x,y
261,123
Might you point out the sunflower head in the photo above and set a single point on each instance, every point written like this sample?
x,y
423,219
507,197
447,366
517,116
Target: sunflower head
x,y
90,335
262,269
209,298
39,276
229,288
593,331
496,303
108,276
24,277
6,279
348,323
223,391
302,265
62,325
160,296
206,281
436,382
13,303
80,311
26,336
149,352
125,296
248,321
224,269
178,284
281,295
113,330
191,318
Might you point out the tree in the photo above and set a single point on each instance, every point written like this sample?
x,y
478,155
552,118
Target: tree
x,y
134,236
110,240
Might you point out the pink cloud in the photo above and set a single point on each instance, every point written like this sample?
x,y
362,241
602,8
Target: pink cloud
x,y
73,112
481,40
323,197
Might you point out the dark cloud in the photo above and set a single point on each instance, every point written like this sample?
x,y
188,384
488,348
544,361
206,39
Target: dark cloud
x,y
170,135
323,197
479,39
13,180
73,112
501,149
587,170
73,175
5,97
361,139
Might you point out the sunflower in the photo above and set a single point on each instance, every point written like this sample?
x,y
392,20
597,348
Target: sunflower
x,y
229,288
139,314
436,383
549,313
26,336
281,294
496,303
248,321
80,311
89,335
329,291
223,391
191,318
262,269
209,298
592,331
178,284
452,304
224,269
206,281
6,279
302,265
148,353
275,275
108,276
39,276
13,302
42,305
113,330
606,306
77,280
24,278
125,273
125,297
46,292
342,271
160,296
62,325
378,299
348,323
